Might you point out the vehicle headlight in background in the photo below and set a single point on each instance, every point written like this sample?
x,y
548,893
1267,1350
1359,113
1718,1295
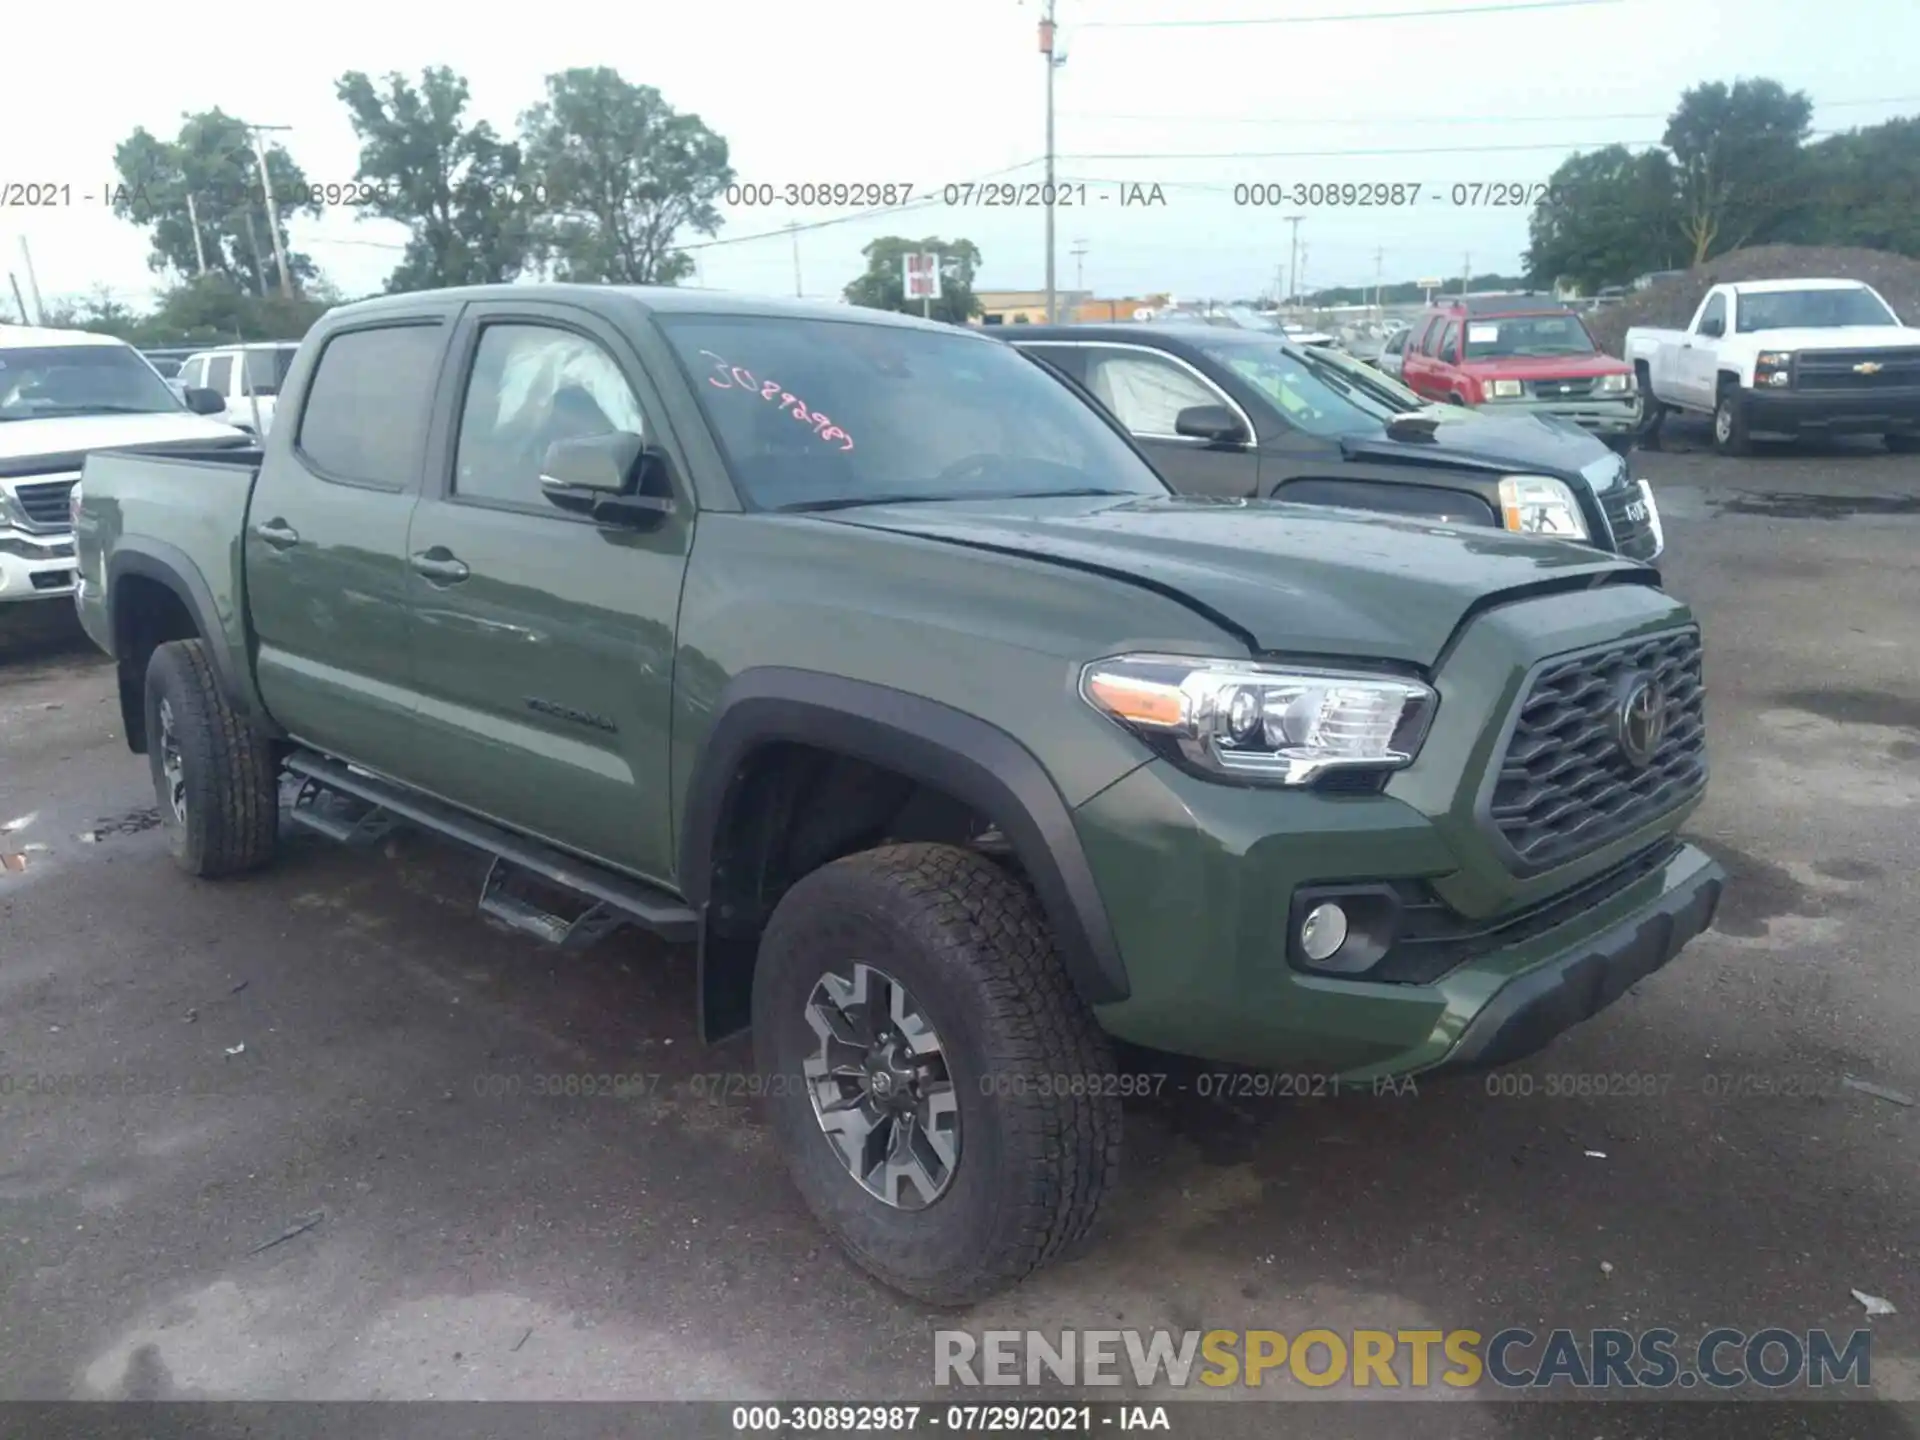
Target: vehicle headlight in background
x,y
1270,723
1773,367
1541,505
1505,389
1613,385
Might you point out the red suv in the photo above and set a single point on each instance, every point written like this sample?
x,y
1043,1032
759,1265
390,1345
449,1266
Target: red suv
x,y
1523,353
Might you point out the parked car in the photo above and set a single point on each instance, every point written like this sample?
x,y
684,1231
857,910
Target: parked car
x,y
955,741
1392,351
63,393
1242,416
1520,354
1785,357
247,377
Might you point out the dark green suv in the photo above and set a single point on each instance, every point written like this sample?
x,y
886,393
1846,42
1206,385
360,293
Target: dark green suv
x,y
863,655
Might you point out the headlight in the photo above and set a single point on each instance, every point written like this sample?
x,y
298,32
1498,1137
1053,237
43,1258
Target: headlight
x,y
1504,389
1613,385
1541,505
1270,723
1773,367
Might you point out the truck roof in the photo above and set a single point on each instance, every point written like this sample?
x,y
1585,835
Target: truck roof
x,y
1762,287
664,299
22,337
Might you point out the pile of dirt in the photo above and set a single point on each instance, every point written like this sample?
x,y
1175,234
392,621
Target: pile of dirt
x,y
1670,303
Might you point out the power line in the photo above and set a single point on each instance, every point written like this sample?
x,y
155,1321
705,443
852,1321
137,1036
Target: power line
x,y
1389,150
1499,9
1424,121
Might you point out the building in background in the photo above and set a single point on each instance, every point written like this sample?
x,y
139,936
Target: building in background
x,y
1029,307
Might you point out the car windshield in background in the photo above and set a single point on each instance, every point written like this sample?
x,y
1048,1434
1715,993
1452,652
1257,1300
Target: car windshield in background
x,y
1383,390
819,413
1522,336
80,380
267,369
1312,393
1809,310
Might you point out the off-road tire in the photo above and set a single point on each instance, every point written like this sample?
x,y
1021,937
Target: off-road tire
x,y
1902,444
1653,414
228,772
1730,433
967,939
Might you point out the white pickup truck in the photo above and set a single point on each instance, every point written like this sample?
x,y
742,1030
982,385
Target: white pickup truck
x,y
1785,357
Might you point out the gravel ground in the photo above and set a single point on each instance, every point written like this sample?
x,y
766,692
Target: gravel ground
x,y
465,1237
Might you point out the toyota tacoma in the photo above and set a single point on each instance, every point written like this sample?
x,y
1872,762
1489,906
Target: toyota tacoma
x,y
864,656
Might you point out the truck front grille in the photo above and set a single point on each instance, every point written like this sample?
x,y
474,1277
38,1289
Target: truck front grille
x,y
1632,538
1856,369
43,503
1566,784
1577,388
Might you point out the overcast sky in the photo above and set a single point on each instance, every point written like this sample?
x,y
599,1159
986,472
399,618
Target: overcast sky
x,y
928,94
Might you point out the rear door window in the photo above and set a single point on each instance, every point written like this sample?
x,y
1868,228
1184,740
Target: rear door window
x,y
365,419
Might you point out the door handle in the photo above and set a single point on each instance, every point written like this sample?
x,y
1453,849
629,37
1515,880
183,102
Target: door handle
x,y
277,533
439,566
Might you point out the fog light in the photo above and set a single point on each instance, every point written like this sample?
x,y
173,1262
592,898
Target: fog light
x,y
1323,932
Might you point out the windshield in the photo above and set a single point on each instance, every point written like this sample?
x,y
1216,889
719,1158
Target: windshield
x,y
267,369
1309,391
1524,335
80,380
1810,310
812,413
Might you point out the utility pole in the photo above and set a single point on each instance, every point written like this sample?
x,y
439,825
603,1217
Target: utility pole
x,y
253,244
1046,195
39,316
1079,273
273,209
794,230
199,245
1300,280
1466,272
26,315
1379,271
1293,256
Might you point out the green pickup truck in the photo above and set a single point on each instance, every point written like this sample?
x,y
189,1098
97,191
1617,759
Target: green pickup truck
x,y
866,656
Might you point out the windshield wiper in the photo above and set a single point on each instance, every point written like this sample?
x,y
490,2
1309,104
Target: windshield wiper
x,y
848,502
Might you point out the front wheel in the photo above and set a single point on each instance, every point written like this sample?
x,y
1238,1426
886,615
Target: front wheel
x,y
944,1100
1730,423
214,777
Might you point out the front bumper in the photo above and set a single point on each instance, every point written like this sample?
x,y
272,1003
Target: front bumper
x,y
1612,417
1834,412
35,567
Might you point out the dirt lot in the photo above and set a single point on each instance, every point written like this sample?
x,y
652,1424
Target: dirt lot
x,y
465,1237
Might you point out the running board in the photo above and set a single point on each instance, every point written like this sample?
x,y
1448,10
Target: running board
x,y
615,899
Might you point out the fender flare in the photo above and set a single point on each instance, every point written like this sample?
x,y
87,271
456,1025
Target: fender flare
x,y
975,762
169,566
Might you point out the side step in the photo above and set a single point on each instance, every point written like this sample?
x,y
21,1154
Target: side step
x,y
615,899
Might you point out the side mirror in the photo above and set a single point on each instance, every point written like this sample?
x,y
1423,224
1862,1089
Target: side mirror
x,y
616,479
1215,424
1715,328
202,401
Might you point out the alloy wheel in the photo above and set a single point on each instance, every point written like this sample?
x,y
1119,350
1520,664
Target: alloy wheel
x,y
172,768
880,1087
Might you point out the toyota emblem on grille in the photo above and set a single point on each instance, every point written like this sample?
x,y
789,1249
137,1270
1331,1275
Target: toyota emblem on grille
x,y
1642,721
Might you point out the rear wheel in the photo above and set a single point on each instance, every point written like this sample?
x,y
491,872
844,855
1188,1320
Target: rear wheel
x,y
1730,422
935,1083
214,778
1652,413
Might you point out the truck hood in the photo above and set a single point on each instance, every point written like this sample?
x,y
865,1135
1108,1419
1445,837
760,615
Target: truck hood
x,y
1289,579
57,442
1485,439
1826,337
1544,367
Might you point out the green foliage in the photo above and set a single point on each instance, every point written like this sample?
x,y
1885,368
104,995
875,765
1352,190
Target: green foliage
x,y
1407,292
1869,189
457,187
211,310
884,285
615,174
1608,216
1739,169
212,160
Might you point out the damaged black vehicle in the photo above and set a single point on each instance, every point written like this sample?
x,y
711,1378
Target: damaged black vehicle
x,y
1242,415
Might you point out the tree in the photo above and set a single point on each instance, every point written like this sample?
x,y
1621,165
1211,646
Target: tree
x,y
207,310
1607,216
213,161
617,173
884,286
457,187
1741,175
1869,193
